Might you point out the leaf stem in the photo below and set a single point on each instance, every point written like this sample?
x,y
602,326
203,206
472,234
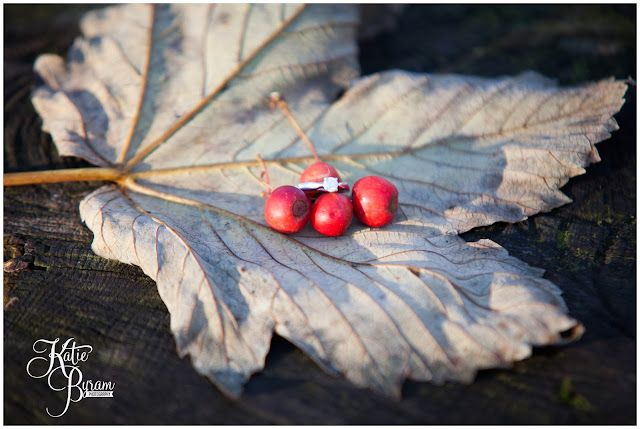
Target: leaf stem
x,y
279,102
264,175
65,175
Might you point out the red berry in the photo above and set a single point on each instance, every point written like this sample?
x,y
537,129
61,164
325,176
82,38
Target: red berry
x,y
317,171
375,201
331,214
287,209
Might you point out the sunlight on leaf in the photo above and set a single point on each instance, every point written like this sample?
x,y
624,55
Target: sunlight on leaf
x,y
175,97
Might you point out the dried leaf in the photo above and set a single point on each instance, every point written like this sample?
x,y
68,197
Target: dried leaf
x,y
175,96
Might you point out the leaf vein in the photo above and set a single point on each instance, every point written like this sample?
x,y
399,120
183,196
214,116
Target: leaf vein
x,y
143,88
306,320
352,329
379,115
301,66
144,152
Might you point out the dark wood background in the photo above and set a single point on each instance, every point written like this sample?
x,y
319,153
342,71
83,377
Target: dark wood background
x,y
54,286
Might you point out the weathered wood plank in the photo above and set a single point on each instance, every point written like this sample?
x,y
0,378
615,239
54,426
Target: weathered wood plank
x,y
54,286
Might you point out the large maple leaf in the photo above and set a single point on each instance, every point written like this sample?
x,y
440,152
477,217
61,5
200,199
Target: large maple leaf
x,y
170,102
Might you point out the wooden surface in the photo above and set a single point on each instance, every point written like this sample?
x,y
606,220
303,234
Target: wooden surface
x,y
54,286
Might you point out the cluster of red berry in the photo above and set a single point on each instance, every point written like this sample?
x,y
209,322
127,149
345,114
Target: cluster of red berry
x,y
289,208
